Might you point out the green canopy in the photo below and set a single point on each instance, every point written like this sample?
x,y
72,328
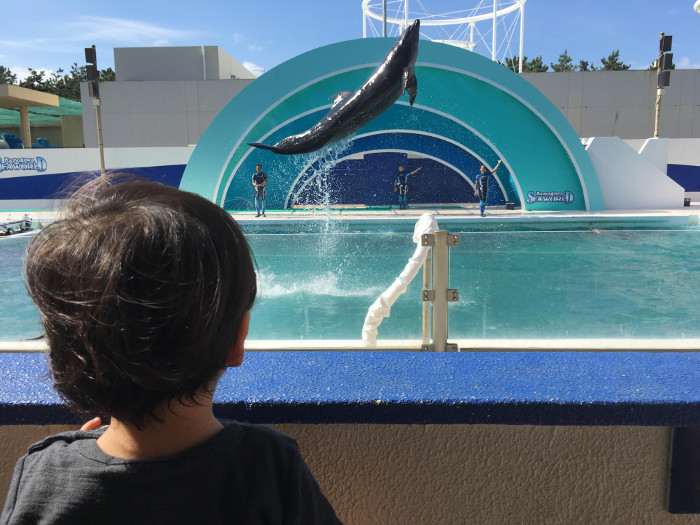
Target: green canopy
x,y
41,115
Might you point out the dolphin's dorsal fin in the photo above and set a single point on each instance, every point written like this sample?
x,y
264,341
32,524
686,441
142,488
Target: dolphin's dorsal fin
x,y
340,96
410,84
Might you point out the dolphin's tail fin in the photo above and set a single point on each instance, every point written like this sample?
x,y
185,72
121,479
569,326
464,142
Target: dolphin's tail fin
x,y
262,146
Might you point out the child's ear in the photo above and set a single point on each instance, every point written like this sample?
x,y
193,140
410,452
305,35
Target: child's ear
x,y
235,353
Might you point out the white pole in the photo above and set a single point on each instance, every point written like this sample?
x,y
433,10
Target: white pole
x,y
405,15
493,36
100,146
659,89
522,33
441,263
384,18
427,271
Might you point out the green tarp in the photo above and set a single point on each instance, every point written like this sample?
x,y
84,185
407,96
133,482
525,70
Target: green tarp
x,y
44,115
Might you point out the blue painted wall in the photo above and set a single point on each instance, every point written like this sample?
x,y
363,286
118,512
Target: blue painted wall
x,y
370,181
53,185
685,175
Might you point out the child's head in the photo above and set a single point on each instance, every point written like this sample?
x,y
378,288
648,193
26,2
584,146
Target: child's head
x,y
142,289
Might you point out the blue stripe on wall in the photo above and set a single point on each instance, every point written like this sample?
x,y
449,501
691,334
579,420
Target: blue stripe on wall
x,y
686,175
52,186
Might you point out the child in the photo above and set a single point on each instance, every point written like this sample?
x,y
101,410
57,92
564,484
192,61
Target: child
x,y
145,292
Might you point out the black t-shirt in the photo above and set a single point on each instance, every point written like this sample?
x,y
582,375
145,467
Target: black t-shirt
x,y
244,474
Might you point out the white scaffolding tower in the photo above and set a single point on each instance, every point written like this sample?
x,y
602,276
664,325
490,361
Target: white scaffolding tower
x,y
488,27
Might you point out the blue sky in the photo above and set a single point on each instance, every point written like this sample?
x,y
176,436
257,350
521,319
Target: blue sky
x,y
44,34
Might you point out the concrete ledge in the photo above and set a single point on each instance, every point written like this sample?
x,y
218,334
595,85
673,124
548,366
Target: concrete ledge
x,y
534,388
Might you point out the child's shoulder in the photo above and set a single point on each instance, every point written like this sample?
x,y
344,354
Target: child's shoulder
x,y
63,440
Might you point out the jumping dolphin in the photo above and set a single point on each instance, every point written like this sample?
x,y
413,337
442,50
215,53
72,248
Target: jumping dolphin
x,y
353,109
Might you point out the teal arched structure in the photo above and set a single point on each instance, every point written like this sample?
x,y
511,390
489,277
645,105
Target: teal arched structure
x,y
469,110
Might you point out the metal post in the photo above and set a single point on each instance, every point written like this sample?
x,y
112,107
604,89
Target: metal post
x,y
659,93
659,90
439,295
405,15
493,36
98,114
427,273
440,277
384,18
522,32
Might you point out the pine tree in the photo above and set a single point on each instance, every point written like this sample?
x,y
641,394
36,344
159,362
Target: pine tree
x,y
536,65
613,62
565,63
7,76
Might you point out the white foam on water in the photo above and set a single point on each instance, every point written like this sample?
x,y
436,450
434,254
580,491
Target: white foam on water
x,y
326,284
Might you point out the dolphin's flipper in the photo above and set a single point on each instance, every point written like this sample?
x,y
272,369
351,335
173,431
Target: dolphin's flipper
x,y
262,146
340,96
410,84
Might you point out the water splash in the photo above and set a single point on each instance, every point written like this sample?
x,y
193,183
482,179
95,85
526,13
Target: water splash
x,y
329,284
318,166
317,185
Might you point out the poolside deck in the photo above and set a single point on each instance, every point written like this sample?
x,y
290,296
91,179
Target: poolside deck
x,y
681,216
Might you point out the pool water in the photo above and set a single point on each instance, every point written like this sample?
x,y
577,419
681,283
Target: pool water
x,y
318,284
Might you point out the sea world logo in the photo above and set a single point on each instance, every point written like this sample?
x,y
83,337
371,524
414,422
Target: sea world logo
x,y
565,197
23,164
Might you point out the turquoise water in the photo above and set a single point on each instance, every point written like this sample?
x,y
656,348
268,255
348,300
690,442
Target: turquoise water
x,y
318,284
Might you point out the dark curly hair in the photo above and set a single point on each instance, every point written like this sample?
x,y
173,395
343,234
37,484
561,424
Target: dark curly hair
x,y
141,288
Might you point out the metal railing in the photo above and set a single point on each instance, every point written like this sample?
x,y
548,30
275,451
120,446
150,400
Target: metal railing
x,y
436,271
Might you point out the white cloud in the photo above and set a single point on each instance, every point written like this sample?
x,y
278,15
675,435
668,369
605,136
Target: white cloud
x,y
240,39
71,37
686,63
122,31
23,72
254,68
35,44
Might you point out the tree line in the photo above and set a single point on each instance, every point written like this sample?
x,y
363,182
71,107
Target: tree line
x,y
566,63
64,85
68,85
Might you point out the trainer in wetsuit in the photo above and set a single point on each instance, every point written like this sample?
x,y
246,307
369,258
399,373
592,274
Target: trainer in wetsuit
x,y
481,187
401,185
259,181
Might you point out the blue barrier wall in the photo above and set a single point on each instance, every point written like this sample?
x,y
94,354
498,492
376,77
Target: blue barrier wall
x,y
54,185
539,388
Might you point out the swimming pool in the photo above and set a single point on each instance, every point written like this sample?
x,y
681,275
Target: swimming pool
x,y
554,282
